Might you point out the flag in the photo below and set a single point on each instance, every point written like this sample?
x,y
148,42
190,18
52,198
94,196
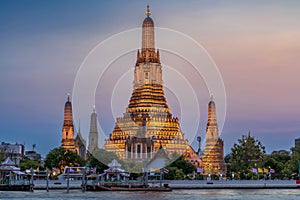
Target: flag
x,y
199,170
93,170
254,170
266,170
71,170
272,170
53,169
152,169
260,170
165,170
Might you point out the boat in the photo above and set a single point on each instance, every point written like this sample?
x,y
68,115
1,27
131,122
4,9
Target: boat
x,y
116,179
127,186
73,173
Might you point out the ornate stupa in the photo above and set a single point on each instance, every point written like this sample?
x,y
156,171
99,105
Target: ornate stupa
x,y
93,134
68,141
147,124
213,159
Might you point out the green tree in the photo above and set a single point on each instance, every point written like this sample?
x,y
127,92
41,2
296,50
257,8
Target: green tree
x,y
27,164
179,168
186,167
171,174
291,167
277,161
179,174
60,157
246,154
101,158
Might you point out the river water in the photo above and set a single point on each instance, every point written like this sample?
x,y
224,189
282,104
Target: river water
x,y
265,194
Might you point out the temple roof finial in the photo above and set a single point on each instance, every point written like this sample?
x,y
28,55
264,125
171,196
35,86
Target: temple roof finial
x,y
69,96
211,97
148,13
79,126
94,109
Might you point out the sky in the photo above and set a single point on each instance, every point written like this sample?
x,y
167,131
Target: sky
x,y
255,45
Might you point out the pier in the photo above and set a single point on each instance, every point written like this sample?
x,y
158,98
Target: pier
x,y
187,184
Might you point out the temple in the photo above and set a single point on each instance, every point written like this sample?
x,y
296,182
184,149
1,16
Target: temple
x,y
213,158
93,134
147,124
80,144
68,141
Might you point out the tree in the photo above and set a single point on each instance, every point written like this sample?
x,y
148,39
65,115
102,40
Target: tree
x,y
60,157
101,158
248,153
27,164
291,166
179,169
277,161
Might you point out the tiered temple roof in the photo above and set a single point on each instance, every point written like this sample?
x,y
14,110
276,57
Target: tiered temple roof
x,y
147,116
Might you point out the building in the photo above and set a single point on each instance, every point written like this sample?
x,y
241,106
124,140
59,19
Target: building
x,y
68,141
297,144
192,157
213,158
14,151
280,152
93,134
80,145
147,124
33,155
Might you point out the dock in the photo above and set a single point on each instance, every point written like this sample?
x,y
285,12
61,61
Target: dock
x,y
172,184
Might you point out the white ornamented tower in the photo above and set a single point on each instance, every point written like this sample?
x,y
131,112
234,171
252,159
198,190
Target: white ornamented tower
x,y
147,124
93,135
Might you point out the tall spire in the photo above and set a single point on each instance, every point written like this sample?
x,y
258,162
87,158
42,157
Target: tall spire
x,y
79,126
147,56
93,135
148,13
214,146
68,96
67,141
211,97
148,32
212,125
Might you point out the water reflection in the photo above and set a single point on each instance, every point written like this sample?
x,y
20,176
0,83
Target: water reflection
x,y
265,194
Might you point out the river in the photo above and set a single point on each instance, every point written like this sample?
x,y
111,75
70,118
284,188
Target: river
x,y
265,194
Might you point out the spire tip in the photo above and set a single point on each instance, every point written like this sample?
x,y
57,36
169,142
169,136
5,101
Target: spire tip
x,y
148,13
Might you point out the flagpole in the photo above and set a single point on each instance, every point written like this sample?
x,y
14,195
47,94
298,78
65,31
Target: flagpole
x,y
161,171
47,187
31,184
83,180
299,169
68,181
